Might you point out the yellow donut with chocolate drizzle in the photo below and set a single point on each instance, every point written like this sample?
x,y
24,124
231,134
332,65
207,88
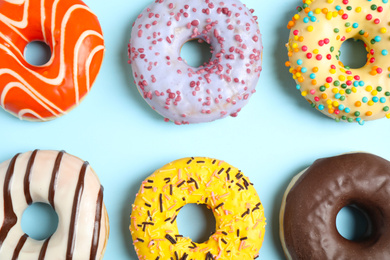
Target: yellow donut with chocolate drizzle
x,y
239,214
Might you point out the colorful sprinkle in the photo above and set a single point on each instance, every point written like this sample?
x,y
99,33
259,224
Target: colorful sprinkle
x,y
330,86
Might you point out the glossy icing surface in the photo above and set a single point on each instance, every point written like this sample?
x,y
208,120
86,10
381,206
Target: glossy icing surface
x,y
41,93
239,214
338,91
315,197
71,187
220,87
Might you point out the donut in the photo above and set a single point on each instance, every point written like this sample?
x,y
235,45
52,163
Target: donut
x,y
185,94
316,195
316,35
42,93
239,214
73,190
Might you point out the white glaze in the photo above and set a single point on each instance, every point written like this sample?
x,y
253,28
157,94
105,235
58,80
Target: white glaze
x,y
167,82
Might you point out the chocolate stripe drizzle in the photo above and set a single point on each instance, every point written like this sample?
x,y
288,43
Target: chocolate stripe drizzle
x,y
27,177
96,229
43,249
10,218
75,210
19,247
54,176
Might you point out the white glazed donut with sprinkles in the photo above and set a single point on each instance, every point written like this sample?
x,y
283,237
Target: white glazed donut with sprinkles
x,y
218,88
317,33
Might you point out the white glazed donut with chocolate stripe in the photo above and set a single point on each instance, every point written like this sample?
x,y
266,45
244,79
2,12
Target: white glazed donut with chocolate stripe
x,y
71,187
185,94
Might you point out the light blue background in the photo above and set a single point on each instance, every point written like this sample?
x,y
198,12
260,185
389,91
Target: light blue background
x,y
274,137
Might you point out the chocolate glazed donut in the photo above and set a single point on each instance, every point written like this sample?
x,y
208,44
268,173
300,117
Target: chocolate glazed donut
x,y
314,198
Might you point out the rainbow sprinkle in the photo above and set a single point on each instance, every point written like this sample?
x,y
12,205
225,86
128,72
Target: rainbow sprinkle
x,y
341,92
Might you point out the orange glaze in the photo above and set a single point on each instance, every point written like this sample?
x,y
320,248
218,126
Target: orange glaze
x,y
73,32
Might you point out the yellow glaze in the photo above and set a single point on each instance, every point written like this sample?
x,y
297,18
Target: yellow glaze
x,y
317,33
239,214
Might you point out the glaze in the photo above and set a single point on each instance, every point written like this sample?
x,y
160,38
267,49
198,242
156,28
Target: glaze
x,y
240,221
338,91
41,93
220,87
71,187
316,195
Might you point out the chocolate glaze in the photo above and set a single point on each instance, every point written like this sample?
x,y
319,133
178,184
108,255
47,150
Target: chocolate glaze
x,y
42,253
10,218
19,246
53,181
75,210
27,177
326,187
96,229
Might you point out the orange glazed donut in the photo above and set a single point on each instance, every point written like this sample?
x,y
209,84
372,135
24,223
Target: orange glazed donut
x,y
73,32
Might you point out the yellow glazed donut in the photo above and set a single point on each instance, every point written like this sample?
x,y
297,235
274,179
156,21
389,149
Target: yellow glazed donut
x,y
239,214
317,33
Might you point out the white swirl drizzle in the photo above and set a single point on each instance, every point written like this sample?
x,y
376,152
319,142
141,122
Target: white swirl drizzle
x,y
18,24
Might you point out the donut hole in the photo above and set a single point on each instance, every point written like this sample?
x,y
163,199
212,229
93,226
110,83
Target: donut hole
x,y
37,53
353,223
196,222
196,53
353,53
39,221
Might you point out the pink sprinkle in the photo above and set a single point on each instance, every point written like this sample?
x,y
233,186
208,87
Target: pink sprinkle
x,y
140,33
369,17
195,22
329,79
